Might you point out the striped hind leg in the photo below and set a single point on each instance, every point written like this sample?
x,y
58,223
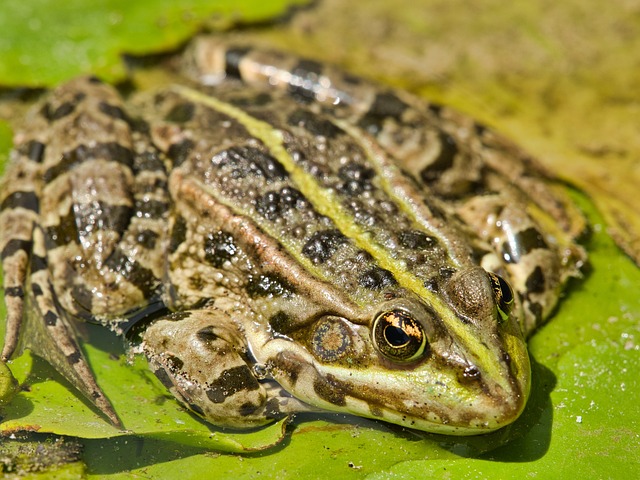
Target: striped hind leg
x,y
49,333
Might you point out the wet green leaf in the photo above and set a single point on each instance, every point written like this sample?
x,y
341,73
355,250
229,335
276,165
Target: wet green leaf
x,y
44,42
48,404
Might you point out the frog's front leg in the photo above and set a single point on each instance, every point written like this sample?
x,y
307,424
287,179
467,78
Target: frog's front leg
x,y
203,359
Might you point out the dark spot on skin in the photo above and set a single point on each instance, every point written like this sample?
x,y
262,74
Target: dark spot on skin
x,y
113,111
385,105
50,319
64,233
179,152
256,100
322,245
314,124
15,245
36,290
98,216
351,79
33,149
230,382
138,124
444,160
181,113
535,282
247,409
233,57
152,186
108,150
331,390
272,410
219,248
174,363
376,278
62,111
470,375
446,272
74,357
14,292
287,365
356,178
147,208
147,239
178,234
164,378
133,271
206,335
37,263
536,310
435,108
268,205
177,316
26,200
431,284
271,285
281,323
149,161
273,205
305,67
522,243
416,240
245,161
480,129
82,297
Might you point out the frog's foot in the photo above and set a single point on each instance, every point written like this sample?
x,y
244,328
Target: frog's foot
x,y
202,358
48,333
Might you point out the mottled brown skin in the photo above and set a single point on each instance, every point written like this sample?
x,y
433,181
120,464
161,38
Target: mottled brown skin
x,y
288,239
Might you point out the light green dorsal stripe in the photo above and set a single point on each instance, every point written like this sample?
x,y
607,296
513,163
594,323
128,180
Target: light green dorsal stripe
x,y
327,203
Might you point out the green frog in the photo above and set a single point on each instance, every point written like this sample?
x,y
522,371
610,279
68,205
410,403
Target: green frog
x,y
276,236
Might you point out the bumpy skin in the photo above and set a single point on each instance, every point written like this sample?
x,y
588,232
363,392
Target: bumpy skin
x,y
278,237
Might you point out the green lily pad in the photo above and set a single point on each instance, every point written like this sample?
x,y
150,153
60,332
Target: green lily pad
x,y
48,404
44,42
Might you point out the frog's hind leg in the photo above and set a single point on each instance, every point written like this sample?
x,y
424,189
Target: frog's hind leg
x,y
202,358
18,214
50,334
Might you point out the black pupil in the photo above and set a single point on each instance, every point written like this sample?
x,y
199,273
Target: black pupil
x,y
507,296
396,337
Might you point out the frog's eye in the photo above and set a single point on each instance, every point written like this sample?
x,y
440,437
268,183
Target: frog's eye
x,y
503,294
399,337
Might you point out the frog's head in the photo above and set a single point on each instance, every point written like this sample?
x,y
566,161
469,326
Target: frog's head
x,y
452,363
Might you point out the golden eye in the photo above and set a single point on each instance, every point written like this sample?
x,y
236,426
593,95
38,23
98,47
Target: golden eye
x,y
399,337
503,294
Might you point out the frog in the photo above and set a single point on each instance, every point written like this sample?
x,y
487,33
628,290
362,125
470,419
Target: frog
x,y
277,236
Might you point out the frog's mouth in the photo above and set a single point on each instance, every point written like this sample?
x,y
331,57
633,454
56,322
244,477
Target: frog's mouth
x,y
432,400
